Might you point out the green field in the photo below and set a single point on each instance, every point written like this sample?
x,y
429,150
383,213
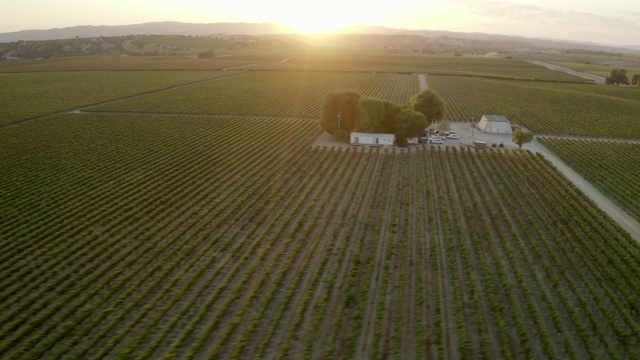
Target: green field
x,y
93,63
196,214
178,237
597,69
273,93
28,95
353,60
551,108
612,167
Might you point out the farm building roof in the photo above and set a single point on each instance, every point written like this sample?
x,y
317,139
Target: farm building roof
x,y
378,135
496,118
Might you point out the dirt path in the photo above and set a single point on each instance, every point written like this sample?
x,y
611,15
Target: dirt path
x,y
239,67
422,82
597,79
604,202
284,60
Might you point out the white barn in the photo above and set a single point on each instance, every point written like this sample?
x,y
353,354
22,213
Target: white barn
x,y
495,124
358,138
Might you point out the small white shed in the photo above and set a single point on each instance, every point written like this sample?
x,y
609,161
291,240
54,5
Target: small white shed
x,y
495,124
372,139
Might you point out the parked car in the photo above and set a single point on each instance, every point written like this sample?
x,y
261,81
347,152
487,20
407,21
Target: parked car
x,y
435,140
452,136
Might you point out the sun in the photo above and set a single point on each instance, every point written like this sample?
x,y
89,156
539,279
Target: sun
x,y
313,26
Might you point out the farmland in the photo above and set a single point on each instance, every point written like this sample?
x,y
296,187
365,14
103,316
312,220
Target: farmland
x,y
613,167
28,95
273,93
151,236
552,108
97,63
322,60
191,214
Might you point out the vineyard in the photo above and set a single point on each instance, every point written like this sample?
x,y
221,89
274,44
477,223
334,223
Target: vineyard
x,y
29,95
140,236
352,60
543,107
271,93
96,63
613,167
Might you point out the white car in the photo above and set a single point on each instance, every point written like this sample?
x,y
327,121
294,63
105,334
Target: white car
x,y
452,136
435,140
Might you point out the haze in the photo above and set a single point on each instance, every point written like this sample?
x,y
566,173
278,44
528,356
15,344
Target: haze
x,y
604,22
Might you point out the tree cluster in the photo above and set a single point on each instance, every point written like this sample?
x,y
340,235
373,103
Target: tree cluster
x,y
618,77
206,55
345,111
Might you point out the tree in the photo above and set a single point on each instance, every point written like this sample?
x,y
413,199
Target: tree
x,y
371,116
408,124
339,113
635,79
443,126
430,104
376,115
618,77
206,54
521,137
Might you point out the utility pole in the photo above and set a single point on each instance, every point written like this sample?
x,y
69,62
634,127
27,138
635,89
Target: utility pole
x,y
339,114
473,130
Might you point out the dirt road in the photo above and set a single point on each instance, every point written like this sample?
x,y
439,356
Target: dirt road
x,y
422,82
597,79
625,220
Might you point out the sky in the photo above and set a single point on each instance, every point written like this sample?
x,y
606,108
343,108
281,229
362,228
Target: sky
x,y
612,22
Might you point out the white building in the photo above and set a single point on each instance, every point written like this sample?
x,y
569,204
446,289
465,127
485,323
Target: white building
x,y
495,124
372,139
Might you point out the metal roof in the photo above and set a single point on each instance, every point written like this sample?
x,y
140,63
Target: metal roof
x,y
378,135
496,118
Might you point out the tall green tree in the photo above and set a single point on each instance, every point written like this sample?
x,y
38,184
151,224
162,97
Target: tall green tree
x,y
521,137
408,124
635,79
618,77
430,104
339,113
370,115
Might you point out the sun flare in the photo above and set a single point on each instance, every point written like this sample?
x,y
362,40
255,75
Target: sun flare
x,y
312,26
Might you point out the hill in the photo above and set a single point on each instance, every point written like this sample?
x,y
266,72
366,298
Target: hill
x,y
155,28
494,41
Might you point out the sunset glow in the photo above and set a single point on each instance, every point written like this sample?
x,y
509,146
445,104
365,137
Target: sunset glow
x,y
613,23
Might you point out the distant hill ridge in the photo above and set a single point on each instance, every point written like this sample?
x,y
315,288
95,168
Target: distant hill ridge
x,y
181,28
152,28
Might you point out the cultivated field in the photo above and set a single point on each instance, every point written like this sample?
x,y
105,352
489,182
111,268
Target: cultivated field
x,y
353,60
161,236
273,93
96,63
187,214
543,107
600,69
28,95
612,167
